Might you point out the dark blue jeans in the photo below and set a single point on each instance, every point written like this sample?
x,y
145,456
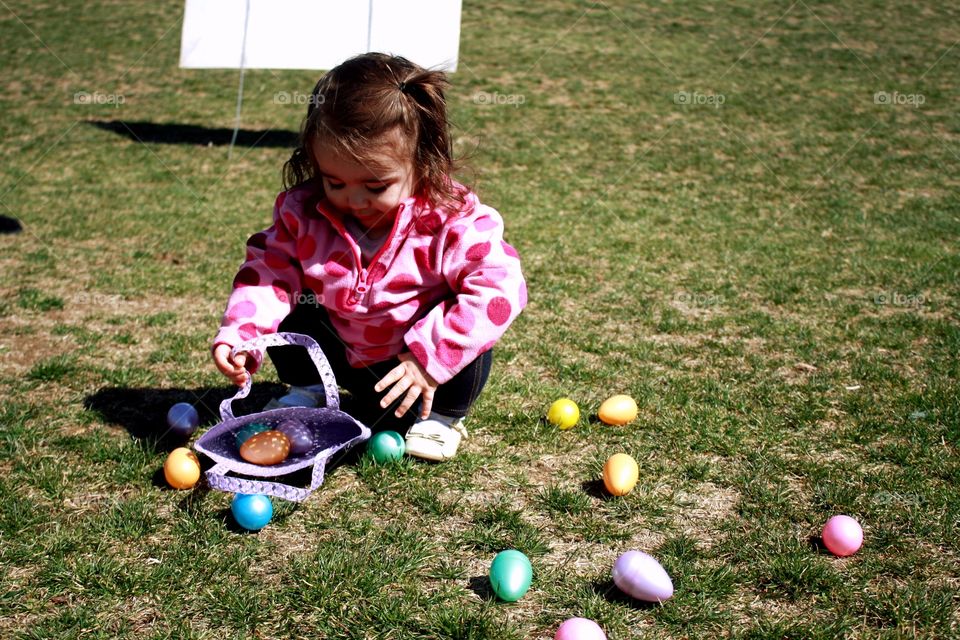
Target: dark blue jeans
x,y
294,367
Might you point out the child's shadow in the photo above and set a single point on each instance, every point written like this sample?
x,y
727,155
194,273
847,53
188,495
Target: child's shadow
x,y
143,412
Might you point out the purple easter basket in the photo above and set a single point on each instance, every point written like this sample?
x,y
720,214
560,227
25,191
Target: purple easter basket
x,y
333,431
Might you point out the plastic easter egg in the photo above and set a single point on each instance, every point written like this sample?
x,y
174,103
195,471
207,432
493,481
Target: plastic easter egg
x,y
183,419
252,512
244,433
620,474
181,468
266,448
579,629
510,575
564,413
386,446
299,434
842,536
641,576
618,410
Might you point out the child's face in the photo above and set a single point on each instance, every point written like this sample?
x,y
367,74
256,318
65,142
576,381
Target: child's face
x,y
369,190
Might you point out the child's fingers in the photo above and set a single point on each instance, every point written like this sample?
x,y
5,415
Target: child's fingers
x,y
412,394
400,387
221,357
234,369
426,403
392,376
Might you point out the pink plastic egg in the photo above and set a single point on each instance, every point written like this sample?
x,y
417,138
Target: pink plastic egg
x,y
842,536
580,629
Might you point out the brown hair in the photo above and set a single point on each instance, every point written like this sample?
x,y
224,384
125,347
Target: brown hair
x,y
361,101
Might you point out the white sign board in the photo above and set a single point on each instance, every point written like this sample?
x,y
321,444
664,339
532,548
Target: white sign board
x,y
317,34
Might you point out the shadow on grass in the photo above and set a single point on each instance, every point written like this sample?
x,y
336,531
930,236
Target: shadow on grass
x,y
143,412
481,586
609,591
816,544
173,133
596,489
10,225
280,514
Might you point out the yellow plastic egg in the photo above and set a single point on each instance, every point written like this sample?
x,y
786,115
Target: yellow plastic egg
x,y
266,447
618,410
564,413
181,468
620,474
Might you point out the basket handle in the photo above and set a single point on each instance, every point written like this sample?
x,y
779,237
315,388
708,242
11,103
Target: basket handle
x,y
277,340
218,479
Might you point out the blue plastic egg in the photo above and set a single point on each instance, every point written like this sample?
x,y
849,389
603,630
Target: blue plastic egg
x,y
183,419
510,575
252,512
299,434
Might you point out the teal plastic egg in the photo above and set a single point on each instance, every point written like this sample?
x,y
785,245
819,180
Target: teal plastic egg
x,y
510,575
386,446
244,433
252,512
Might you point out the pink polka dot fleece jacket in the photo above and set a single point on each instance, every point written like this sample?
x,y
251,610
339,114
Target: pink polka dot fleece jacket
x,y
444,286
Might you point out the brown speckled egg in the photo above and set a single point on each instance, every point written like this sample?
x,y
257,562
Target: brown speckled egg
x,y
267,447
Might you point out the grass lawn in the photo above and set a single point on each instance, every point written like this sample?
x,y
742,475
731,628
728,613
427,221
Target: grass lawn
x,y
743,214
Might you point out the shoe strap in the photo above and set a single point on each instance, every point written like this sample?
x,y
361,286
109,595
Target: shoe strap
x,y
457,426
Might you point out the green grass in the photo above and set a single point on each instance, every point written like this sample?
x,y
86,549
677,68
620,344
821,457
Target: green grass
x,y
715,214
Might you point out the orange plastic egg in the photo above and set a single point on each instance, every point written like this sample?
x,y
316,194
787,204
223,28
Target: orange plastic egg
x,y
618,410
181,468
267,447
620,474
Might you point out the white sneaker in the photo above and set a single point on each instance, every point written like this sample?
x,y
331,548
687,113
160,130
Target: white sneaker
x,y
311,396
436,438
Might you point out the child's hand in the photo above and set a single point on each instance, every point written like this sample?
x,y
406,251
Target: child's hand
x,y
411,378
235,368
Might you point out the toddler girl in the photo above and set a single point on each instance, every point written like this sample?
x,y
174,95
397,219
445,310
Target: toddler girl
x,y
398,271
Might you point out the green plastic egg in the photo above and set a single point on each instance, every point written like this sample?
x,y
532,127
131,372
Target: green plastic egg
x,y
386,446
510,575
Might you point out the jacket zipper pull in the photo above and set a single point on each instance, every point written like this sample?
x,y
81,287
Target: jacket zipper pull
x,y
361,286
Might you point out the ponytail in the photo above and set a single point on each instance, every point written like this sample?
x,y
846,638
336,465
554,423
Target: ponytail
x,y
433,155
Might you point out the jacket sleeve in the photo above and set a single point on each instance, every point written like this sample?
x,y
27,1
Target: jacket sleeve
x,y
484,273
267,284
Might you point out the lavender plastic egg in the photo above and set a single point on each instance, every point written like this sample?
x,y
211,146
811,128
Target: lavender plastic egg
x,y
300,435
641,576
